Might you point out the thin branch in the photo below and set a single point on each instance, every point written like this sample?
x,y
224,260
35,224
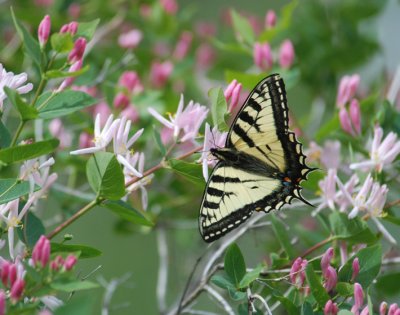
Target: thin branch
x,y
162,269
316,246
392,204
263,302
220,299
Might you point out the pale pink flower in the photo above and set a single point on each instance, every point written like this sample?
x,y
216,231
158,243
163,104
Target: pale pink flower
x,y
68,81
356,268
131,81
187,120
286,54
12,81
41,252
205,55
130,39
382,153
169,6
365,311
270,19
160,73
393,309
44,30
328,191
212,139
58,131
102,137
232,94
330,155
77,51
358,298
347,89
121,143
262,56
183,45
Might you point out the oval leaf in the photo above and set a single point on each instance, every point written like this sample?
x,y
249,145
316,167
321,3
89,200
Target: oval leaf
x,y
69,285
191,171
105,176
218,108
86,251
25,111
128,213
13,188
32,229
234,264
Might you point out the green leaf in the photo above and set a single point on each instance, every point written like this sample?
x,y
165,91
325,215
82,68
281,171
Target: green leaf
x,y
389,117
218,108
250,277
52,74
344,289
234,264
31,45
25,111
61,42
392,219
28,151
388,285
32,229
81,305
86,251
71,285
13,188
287,304
157,138
282,236
306,309
5,137
128,213
191,171
222,282
242,27
355,230
345,312
105,176
87,29
53,105
370,264
317,290
236,295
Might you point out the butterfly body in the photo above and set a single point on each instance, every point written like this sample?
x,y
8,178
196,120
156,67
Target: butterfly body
x,y
261,166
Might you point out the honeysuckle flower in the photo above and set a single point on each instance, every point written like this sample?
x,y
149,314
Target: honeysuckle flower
x,y
102,137
355,115
286,54
169,6
326,260
131,81
212,139
383,307
297,272
347,89
44,30
262,56
205,55
358,298
12,81
382,153
121,144
187,120
160,73
183,45
356,268
270,19
232,94
41,252
139,160
51,302
77,51
36,172
393,308
71,28
68,81
17,289
121,100
130,39
70,262
328,191
328,155
131,112
330,278
331,308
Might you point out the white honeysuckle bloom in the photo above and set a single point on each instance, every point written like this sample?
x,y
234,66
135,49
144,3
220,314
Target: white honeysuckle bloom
x,y
187,120
139,159
102,137
35,172
128,161
212,139
121,144
328,155
12,81
51,302
382,153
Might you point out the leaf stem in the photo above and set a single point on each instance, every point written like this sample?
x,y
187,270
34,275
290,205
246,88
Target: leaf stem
x,y
317,246
17,133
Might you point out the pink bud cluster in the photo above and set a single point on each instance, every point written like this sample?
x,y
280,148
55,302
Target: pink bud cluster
x,y
232,95
11,275
394,309
263,58
329,273
297,273
59,263
331,308
71,28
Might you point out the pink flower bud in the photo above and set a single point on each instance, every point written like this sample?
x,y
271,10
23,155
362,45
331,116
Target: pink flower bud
x,y
392,309
326,260
12,274
131,113
353,84
330,279
71,28
356,268
330,308
296,266
130,39
145,10
5,271
345,121
347,89
85,140
41,251
2,302
160,72
131,81
286,54
74,10
232,93
183,45
169,6
397,312
270,19
77,51
44,30
355,115
68,81
358,298
205,29
54,266
205,55
365,311
70,262
262,56
383,308
121,100
17,289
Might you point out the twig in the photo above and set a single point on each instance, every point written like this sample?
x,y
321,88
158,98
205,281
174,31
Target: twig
x,y
317,246
162,269
392,204
109,291
263,302
220,299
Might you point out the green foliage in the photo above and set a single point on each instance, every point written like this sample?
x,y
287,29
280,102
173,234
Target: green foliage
x,y
218,108
105,176
61,42
13,188
32,229
317,290
243,28
282,236
85,251
191,171
77,306
25,111
87,29
127,212
234,264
